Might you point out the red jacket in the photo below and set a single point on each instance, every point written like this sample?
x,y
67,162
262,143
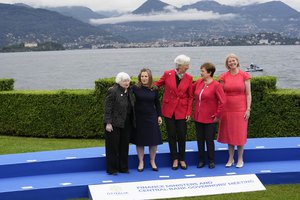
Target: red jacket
x,y
210,102
176,100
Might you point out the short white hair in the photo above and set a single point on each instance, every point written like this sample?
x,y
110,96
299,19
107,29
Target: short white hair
x,y
182,60
122,76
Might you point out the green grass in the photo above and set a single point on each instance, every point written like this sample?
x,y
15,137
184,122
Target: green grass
x,y
11,145
273,192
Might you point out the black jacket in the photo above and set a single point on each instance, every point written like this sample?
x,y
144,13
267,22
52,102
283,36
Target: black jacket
x,y
115,107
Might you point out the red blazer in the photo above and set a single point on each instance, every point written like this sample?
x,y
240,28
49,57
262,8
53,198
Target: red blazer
x,y
179,100
210,103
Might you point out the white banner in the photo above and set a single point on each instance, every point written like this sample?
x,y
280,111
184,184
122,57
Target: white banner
x,y
160,189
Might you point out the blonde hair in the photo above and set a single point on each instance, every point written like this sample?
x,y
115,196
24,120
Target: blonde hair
x,y
232,56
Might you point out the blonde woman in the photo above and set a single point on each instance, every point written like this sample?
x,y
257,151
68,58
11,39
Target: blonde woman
x,y
234,120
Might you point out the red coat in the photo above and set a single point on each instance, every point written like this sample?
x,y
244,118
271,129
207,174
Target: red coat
x,y
176,100
209,103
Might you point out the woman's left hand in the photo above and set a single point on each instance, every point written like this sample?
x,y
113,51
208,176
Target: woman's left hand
x,y
247,114
159,120
215,119
187,118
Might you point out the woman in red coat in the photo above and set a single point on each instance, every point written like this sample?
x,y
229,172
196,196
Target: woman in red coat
x,y
177,107
210,100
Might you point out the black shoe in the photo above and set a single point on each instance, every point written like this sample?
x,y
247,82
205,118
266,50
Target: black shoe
x,y
184,167
211,165
140,170
200,165
153,168
125,171
175,168
112,173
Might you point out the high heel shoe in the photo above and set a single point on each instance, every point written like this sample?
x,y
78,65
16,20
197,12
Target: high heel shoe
x,y
153,168
211,165
184,167
175,167
200,165
228,164
140,169
240,165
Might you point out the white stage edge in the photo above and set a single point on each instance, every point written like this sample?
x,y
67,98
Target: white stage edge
x,y
173,188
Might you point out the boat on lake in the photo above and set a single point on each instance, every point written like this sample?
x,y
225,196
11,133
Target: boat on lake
x,y
254,68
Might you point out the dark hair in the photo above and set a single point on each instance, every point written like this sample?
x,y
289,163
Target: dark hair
x,y
210,68
150,83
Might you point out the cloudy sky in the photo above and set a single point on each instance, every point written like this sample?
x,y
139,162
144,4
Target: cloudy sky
x,y
130,5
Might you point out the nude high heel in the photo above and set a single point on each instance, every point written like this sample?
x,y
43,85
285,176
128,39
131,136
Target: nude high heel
x,y
228,164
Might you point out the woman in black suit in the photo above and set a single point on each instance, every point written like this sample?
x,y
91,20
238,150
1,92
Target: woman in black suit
x,y
119,122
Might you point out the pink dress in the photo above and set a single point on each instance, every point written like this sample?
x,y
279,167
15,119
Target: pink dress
x,y
233,126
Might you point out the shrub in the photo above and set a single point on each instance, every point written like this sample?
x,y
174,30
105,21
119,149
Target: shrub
x,y
7,84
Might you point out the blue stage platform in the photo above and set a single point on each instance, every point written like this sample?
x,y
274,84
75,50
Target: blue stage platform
x,y
66,174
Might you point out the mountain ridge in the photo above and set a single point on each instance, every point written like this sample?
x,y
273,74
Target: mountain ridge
x,y
273,16
26,24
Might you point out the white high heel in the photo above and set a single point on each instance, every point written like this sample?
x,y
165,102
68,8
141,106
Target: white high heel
x,y
240,165
228,164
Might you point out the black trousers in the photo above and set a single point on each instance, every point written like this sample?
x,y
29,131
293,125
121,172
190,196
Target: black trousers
x,y
206,134
176,130
117,147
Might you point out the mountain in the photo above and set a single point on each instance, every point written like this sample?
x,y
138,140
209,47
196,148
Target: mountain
x,y
151,6
272,9
275,9
227,21
22,4
210,6
24,24
81,13
109,13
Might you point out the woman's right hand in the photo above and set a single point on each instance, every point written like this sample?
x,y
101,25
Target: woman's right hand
x,y
109,128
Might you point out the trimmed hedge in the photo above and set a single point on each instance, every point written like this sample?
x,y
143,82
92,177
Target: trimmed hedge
x,y
277,115
61,114
7,84
79,113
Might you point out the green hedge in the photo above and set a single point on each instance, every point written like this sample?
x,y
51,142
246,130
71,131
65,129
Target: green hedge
x,y
7,84
61,114
277,115
79,113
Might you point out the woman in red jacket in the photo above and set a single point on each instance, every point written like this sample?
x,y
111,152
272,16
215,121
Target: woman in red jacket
x,y
177,107
210,100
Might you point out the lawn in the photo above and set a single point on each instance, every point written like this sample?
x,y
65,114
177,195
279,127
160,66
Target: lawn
x,y
11,145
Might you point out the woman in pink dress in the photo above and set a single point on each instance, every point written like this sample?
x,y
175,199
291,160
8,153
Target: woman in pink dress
x,y
234,120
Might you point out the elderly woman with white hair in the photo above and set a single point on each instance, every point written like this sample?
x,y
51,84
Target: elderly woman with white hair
x,y
177,107
119,122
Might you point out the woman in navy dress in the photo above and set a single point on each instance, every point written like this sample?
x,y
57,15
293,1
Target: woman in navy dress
x,y
148,118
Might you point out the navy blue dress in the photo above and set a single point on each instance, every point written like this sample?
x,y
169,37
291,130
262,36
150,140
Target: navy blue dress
x,y
147,110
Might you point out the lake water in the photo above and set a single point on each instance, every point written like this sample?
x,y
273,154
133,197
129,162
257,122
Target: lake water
x,y
80,68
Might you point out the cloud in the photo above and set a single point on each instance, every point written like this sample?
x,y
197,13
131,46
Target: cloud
x,y
187,15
